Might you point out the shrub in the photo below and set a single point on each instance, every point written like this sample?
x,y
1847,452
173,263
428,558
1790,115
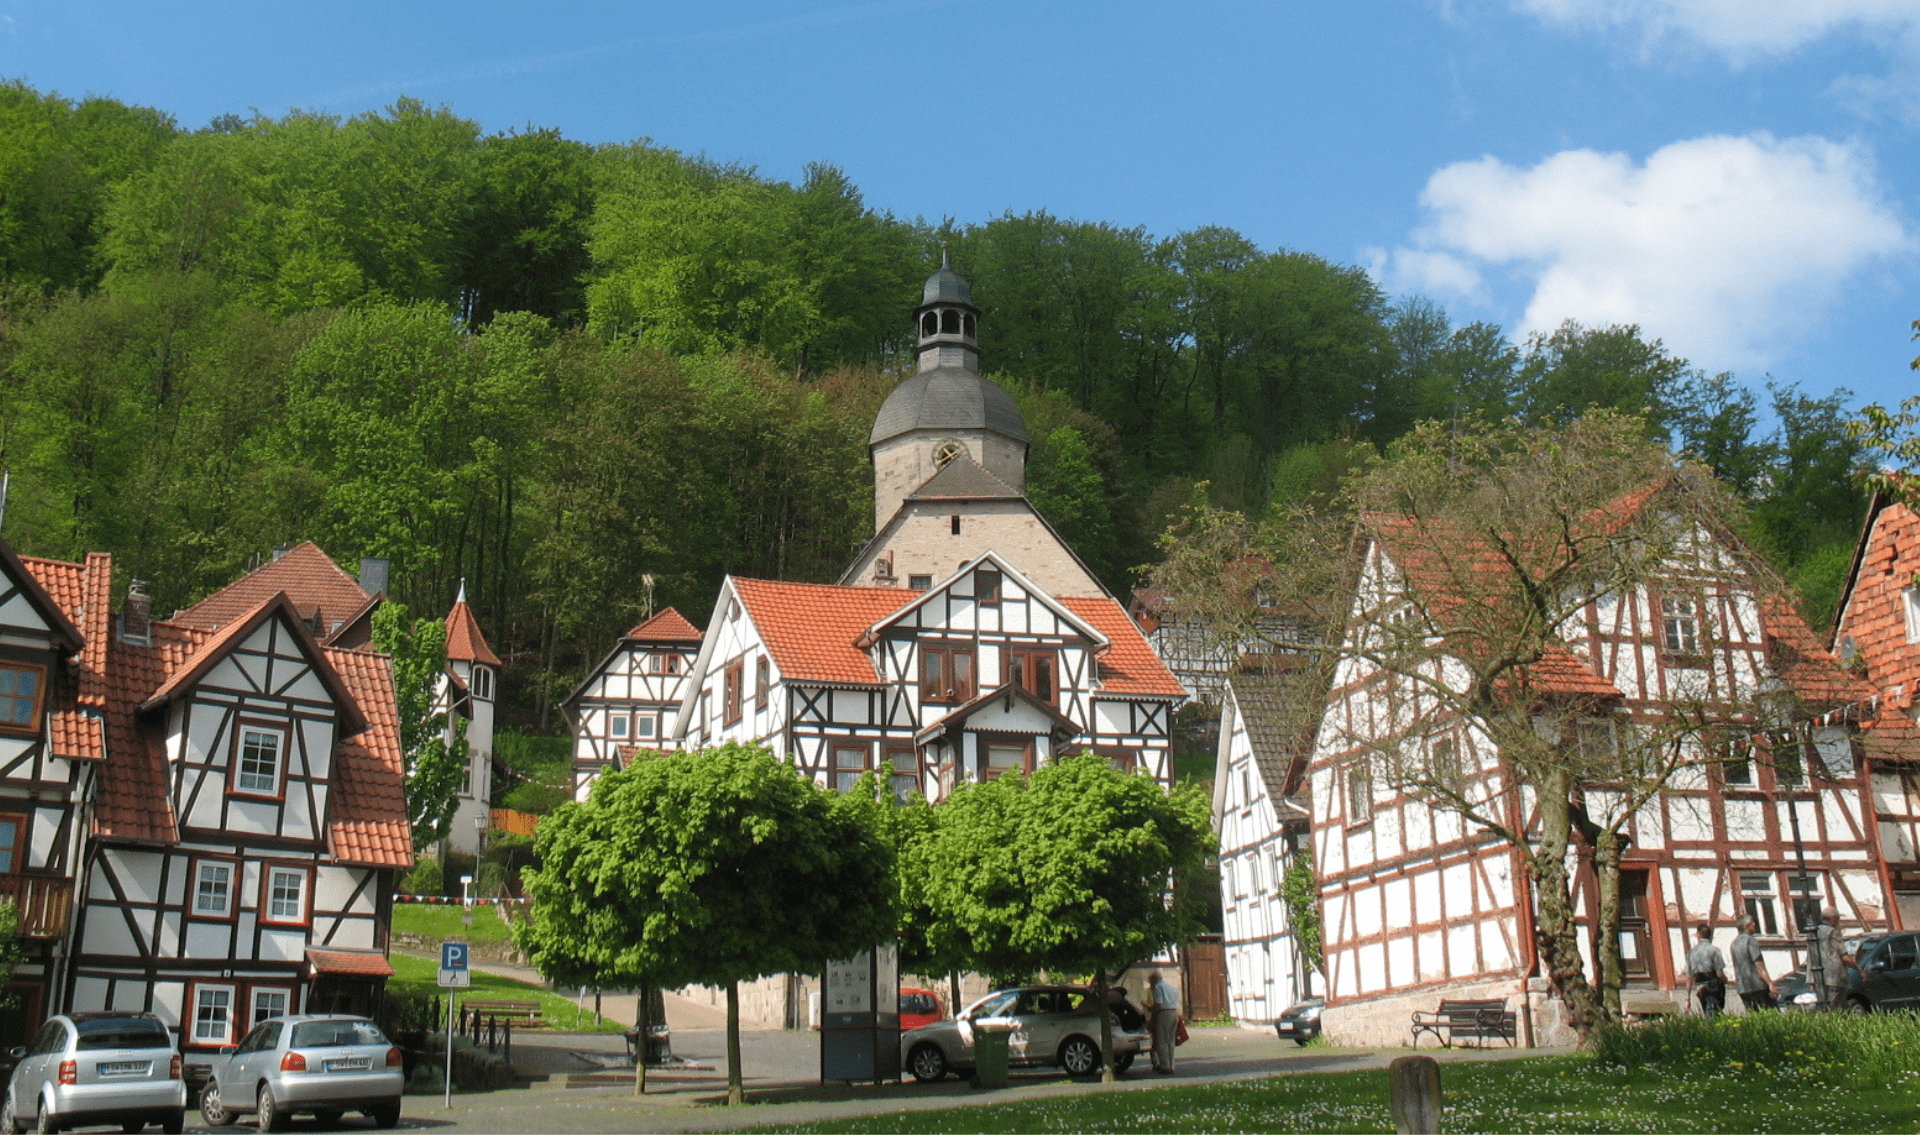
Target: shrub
x,y
454,865
424,879
1835,1049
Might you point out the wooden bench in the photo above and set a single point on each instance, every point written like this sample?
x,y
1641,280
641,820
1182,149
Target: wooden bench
x,y
1460,1020
524,1011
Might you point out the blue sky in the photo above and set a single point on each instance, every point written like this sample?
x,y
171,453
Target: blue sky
x,y
1740,177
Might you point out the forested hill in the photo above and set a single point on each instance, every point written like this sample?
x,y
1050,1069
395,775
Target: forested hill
x,y
591,378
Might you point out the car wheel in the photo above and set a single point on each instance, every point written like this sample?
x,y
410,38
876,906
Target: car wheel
x,y
174,1122
327,1118
9,1122
268,1115
387,1116
1302,1040
1080,1056
43,1121
134,1126
928,1064
211,1110
1123,1061
1858,1007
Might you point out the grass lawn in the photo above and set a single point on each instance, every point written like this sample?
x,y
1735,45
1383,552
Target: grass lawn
x,y
444,922
423,975
1554,1093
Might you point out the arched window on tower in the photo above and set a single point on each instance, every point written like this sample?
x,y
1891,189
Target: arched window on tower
x,y
930,324
969,326
950,322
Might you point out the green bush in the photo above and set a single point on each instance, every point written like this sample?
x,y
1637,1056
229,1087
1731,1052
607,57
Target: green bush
x,y
424,879
457,863
536,799
1831,1049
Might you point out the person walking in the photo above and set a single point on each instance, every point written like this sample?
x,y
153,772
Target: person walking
x,y
1834,960
1163,1001
1750,978
1708,969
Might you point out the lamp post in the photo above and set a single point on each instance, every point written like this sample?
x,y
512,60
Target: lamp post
x,y
1816,974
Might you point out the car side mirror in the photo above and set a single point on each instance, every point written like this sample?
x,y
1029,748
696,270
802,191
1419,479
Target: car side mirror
x,y
18,1052
1880,965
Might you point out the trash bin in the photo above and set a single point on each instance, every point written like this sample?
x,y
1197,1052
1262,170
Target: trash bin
x,y
990,1056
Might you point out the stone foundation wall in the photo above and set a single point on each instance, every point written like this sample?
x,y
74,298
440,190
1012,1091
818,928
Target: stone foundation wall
x,y
1387,1021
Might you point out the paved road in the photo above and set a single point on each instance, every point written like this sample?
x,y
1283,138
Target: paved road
x,y
782,1080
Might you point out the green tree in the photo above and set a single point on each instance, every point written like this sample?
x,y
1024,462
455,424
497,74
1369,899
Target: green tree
x,y
712,867
1810,512
10,954
1574,369
1068,871
1300,890
435,767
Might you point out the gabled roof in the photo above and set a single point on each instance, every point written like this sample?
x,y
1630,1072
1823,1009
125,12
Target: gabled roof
x,y
810,629
465,643
667,626
368,823
959,715
1129,664
34,580
993,560
1280,735
215,648
314,584
963,478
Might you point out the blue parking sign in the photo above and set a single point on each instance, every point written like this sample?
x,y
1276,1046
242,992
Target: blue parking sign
x,y
453,965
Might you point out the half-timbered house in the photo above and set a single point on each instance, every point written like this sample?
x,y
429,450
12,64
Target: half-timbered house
x,y
1877,633
234,858
632,698
1417,903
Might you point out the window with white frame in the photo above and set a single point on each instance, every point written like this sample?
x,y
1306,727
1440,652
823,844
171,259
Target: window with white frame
x,y
286,895
212,1014
213,886
483,683
257,760
1757,898
617,725
269,1002
646,726
1910,608
1680,625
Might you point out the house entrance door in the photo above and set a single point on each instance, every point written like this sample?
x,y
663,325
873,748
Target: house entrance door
x,y
1636,936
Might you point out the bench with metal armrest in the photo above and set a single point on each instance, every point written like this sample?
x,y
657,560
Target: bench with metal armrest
x,y
1480,1021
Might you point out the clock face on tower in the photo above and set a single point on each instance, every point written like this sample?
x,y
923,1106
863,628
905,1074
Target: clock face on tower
x,y
946,451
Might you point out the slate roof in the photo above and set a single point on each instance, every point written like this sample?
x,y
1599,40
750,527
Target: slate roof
x,y
316,585
963,478
1280,735
945,398
667,626
810,628
465,643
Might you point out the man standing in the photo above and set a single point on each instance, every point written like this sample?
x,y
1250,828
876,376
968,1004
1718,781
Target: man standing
x,y
1834,960
1708,968
1164,1002
1750,977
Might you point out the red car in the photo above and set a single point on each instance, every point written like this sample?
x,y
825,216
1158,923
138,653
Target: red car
x,y
918,1007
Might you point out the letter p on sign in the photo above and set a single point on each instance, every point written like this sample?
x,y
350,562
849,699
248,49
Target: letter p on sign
x,y
453,966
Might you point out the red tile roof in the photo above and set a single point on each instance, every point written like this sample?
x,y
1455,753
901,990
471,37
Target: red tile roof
x,y
1803,663
810,628
135,801
667,626
1873,623
315,584
217,645
1129,665
358,963
369,823
55,589
465,643
77,736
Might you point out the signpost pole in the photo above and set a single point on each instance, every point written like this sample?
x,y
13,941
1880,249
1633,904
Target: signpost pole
x,y
448,1101
454,974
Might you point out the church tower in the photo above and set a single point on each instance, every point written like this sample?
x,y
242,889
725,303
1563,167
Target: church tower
x,y
949,455
946,408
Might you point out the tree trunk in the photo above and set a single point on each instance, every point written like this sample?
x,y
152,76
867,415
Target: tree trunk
x,y
1106,1026
1558,933
953,985
640,1049
1606,920
736,1091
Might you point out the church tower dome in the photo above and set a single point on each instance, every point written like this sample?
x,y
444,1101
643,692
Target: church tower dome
x,y
945,407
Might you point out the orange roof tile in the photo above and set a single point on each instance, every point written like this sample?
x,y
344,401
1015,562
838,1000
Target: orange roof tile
x,y
667,626
810,628
77,735
465,643
57,590
1129,665
217,645
315,584
358,963
369,823
1803,663
134,801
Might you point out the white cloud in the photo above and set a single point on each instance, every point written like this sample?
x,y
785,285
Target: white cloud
x,y
1728,248
1741,30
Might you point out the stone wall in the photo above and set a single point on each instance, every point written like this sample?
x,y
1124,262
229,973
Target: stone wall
x,y
1387,1021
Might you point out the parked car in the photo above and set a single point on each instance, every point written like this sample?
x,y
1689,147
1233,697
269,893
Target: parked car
x,y
1890,977
918,1007
1049,1025
320,1065
1301,1022
84,1069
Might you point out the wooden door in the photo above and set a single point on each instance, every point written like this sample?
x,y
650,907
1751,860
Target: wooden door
x,y
1205,966
1636,936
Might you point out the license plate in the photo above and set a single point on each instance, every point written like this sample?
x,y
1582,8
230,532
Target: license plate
x,y
351,1064
1286,1026
123,1067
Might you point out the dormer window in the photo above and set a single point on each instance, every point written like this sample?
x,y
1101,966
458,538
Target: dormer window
x,y
21,688
258,759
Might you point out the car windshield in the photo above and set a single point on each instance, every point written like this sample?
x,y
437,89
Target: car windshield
x,y
123,1033
335,1034
918,1003
993,1004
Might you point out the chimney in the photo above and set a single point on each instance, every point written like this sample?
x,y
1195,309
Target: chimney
x,y
374,571
136,618
282,550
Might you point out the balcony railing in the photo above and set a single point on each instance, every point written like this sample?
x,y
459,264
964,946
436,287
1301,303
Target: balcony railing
x,y
44,903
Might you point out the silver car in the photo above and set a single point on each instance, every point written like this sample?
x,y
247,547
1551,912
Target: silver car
x,y
91,1068
323,1066
1048,1024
